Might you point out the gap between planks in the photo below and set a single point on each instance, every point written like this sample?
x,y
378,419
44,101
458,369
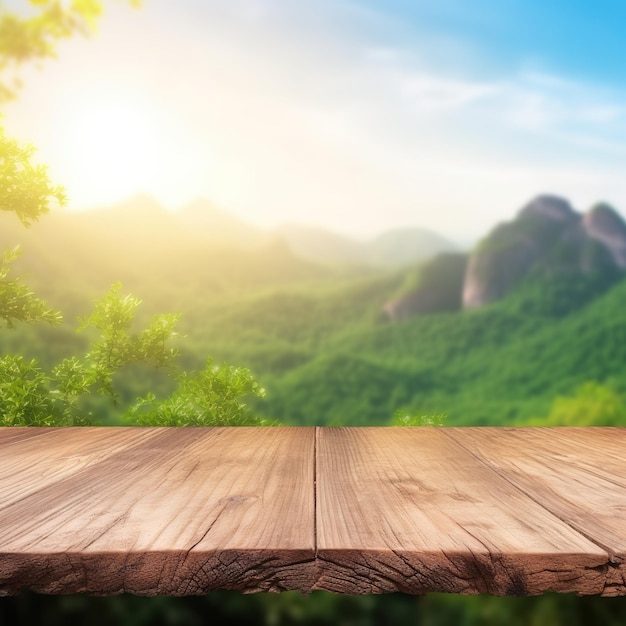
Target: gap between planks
x,y
408,473
315,465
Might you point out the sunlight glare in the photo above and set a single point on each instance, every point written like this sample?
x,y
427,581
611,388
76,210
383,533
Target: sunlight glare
x,y
120,143
116,142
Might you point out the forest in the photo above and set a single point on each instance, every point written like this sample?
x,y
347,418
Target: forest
x,y
316,339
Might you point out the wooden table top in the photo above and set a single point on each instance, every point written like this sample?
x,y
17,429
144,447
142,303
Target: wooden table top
x,y
182,511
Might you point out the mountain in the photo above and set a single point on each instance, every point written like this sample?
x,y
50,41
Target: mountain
x,y
603,224
404,247
144,220
547,239
433,287
321,246
395,248
78,255
548,247
204,219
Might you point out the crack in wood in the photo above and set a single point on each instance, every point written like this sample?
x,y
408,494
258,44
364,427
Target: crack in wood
x,y
344,510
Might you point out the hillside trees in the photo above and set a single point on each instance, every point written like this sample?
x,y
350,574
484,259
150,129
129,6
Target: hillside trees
x,y
592,404
28,394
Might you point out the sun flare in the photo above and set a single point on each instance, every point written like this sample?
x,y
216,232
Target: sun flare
x,y
117,143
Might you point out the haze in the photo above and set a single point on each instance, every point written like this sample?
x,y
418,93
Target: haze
x,y
355,116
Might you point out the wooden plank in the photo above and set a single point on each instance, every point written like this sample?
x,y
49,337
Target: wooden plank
x,y
181,512
410,510
33,458
579,474
15,433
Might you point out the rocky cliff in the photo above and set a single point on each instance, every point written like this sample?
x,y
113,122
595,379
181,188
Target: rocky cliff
x,y
547,241
547,238
603,224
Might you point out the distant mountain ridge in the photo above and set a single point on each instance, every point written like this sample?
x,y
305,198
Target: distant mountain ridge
x,y
138,242
141,223
393,248
548,245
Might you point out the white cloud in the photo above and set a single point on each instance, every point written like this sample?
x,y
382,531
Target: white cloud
x,y
434,93
552,103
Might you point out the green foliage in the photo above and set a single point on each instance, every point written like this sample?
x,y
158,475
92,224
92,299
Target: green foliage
x,y
233,608
35,37
342,389
118,346
560,295
25,398
500,365
550,609
404,418
26,190
435,286
25,186
17,301
592,404
212,397
324,357
32,397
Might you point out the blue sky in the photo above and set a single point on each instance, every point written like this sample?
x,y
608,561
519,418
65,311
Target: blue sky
x,y
356,116
582,39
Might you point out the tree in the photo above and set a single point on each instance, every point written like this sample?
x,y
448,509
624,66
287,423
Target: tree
x,y
592,404
28,394
25,187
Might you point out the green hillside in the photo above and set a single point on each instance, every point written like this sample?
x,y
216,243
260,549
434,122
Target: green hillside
x,y
328,358
319,339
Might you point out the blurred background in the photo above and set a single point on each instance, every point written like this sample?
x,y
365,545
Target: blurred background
x,y
390,213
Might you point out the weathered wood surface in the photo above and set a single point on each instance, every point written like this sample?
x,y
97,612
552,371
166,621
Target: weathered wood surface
x,y
516,511
457,525
578,474
168,511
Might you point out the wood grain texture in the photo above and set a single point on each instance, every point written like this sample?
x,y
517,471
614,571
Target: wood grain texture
x,y
409,510
176,512
578,474
38,457
181,511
